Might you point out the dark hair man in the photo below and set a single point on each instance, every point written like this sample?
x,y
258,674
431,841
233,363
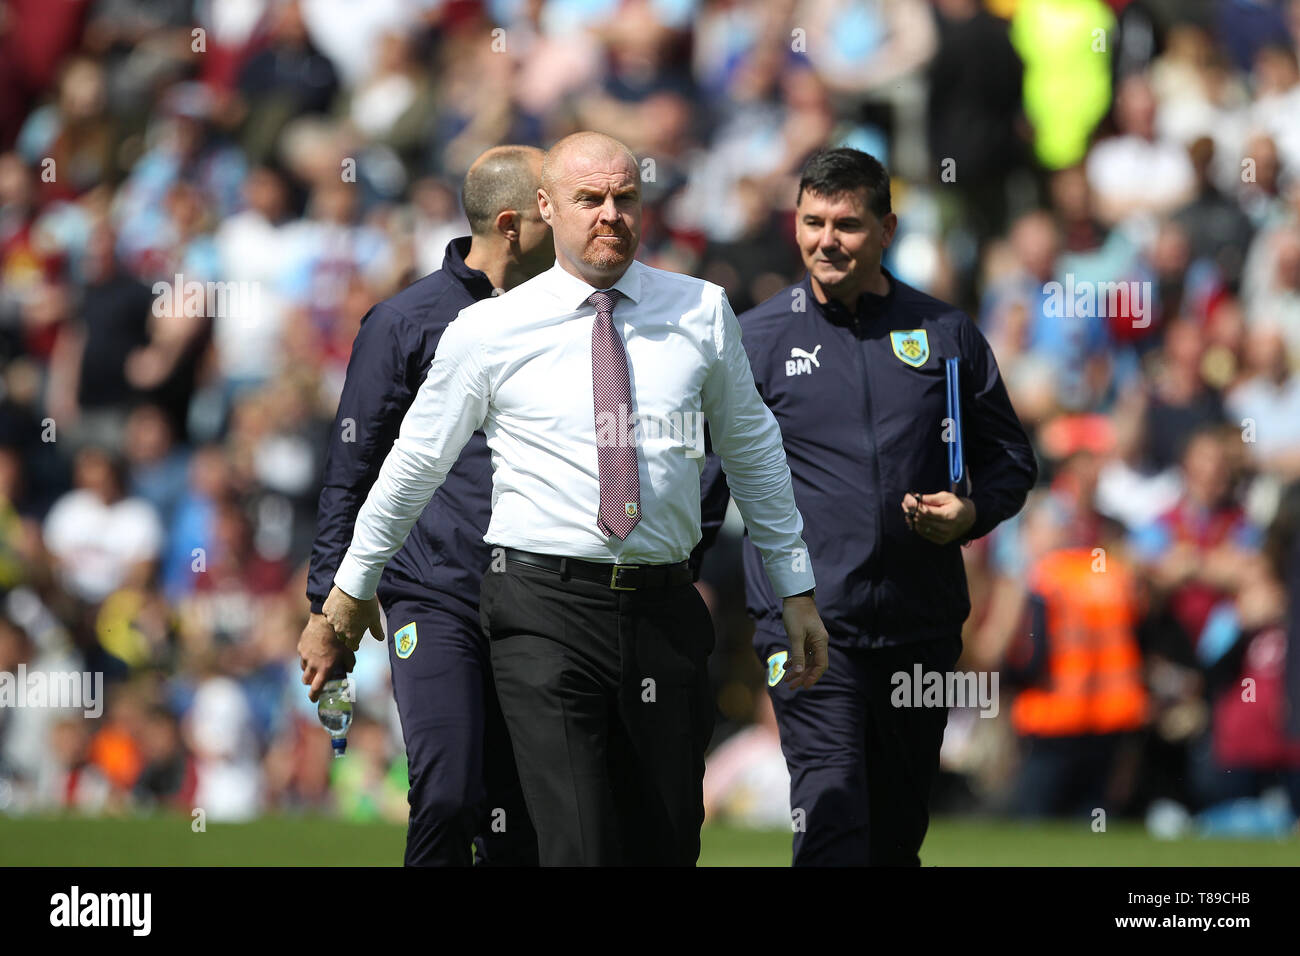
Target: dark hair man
x,y
878,389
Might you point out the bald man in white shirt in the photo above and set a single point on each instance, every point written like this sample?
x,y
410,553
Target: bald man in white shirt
x,y
590,381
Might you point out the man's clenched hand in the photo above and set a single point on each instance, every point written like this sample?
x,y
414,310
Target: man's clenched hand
x,y
351,618
808,641
321,654
941,518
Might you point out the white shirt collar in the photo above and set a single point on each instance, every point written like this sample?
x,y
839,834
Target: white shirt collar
x,y
573,292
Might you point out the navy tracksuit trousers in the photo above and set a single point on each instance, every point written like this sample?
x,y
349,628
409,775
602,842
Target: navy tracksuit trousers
x,y
466,803
861,770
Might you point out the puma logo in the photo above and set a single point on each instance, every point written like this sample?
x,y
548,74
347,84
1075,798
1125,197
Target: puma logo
x,y
802,362
810,356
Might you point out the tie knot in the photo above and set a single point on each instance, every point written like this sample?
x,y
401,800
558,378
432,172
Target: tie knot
x,y
604,300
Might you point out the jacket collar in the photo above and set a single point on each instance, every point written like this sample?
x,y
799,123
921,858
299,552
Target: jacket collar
x,y
869,304
475,281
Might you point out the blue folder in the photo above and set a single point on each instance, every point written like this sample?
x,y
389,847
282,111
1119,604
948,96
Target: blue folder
x,y
956,455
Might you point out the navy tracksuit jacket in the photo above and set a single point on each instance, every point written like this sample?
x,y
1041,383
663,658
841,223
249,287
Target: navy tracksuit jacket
x,y
862,398
455,740
862,427
445,555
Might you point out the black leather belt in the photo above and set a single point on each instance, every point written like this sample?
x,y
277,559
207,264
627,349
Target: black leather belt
x,y
617,577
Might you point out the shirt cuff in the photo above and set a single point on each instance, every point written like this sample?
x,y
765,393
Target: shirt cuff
x,y
791,576
355,580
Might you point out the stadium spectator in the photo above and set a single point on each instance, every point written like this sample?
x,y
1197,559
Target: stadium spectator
x,y
1266,406
143,44
232,592
1138,173
1026,304
74,133
1215,225
1128,488
89,387
1260,190
1083,694
156,464
1203,549
975,116
219,731
29,270
41,746
168,777
98,537
69,780
393,105
1180,402
188,149
867,47
1276,78
114,746
287,77
348,33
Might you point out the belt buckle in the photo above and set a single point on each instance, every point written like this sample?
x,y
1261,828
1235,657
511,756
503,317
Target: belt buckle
x,y
613,576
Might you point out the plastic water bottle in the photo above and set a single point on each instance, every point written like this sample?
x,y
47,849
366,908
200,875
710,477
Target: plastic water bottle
x,y
335,712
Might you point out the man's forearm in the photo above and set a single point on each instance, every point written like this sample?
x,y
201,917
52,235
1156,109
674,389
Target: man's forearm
x,y
776,527
399,495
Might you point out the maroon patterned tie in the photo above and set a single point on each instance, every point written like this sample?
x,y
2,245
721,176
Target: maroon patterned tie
x,y
620,486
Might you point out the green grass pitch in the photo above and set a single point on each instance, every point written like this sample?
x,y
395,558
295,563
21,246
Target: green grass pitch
x,y
315,841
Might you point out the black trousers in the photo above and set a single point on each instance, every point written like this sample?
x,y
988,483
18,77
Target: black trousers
x,y
861,770
466,803
606,697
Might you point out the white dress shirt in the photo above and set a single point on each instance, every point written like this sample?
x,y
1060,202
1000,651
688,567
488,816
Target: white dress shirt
x,y
519,366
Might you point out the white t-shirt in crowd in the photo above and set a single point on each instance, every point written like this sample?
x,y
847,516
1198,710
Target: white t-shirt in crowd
x,y
96,543
1152,174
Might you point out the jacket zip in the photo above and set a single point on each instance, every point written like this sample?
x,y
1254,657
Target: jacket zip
x,y
873,451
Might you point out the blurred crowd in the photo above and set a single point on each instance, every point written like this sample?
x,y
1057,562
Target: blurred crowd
x,y
199,200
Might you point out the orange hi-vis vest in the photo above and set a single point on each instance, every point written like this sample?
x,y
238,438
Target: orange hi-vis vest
x,y
1093,672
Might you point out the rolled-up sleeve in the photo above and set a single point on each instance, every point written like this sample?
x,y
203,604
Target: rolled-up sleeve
x,y
451,403
747,440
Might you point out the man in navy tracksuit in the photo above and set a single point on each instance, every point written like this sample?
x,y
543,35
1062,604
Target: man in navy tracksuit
x,y
463,783
852,363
